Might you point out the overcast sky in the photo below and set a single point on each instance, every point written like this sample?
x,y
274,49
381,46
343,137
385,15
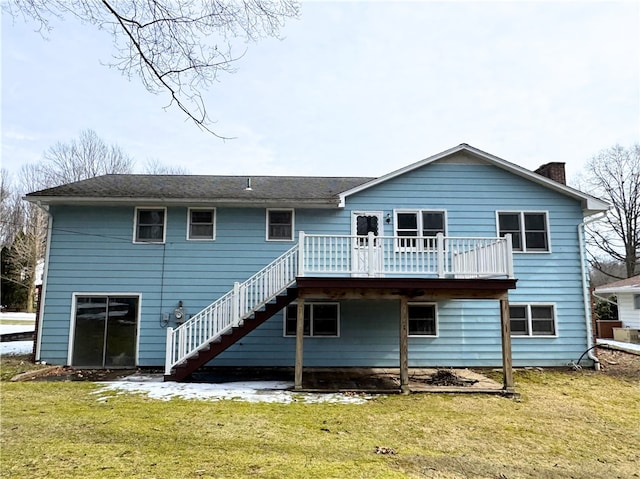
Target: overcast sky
x,y
352,89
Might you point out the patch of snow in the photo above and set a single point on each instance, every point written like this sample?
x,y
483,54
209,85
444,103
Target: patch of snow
x,y
249,391
16,347
18,316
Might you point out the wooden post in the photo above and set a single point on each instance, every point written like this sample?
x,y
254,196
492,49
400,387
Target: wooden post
x,y
404,345
299,344
507,365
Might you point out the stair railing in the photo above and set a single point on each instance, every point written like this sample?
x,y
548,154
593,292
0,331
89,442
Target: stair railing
x,y
229,310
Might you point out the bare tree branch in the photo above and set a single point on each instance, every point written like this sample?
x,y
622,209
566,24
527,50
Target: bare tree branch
x,y
174,46
614,174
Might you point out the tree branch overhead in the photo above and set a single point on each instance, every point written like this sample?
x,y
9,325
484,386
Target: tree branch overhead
x,y
177,47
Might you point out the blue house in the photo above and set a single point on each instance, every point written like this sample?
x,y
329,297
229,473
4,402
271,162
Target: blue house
x,y
462,259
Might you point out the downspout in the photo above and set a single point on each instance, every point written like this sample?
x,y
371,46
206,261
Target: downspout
x,y
585,291
45,274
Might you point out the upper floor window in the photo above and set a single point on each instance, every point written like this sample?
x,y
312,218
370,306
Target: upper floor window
x,y
422,319
532,320
202,224
279,225
636,301
529,230
420,223
320,319
150,225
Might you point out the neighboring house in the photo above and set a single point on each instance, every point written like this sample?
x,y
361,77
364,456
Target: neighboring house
x,y
422,267
627,292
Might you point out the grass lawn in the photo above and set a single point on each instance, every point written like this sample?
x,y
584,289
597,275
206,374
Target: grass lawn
x,y
566,425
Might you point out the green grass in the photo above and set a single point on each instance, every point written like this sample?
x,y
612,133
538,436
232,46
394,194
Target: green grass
x,y
567,424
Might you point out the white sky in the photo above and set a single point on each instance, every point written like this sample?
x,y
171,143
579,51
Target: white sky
x,y
353,89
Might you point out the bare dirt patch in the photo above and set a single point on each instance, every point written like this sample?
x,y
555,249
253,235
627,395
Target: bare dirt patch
x,y
620,364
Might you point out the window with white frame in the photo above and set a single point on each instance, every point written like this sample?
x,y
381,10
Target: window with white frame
x,y
636,301
529,230
532,319
320,319
150,225
202,224
422,319
418,223
280,225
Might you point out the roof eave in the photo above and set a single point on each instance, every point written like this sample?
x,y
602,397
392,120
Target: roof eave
x,y
590,204
229,202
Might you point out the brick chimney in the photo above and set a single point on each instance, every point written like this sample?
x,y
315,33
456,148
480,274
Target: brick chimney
x,y
554,171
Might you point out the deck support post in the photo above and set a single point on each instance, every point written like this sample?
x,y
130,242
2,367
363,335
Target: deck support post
x,y
507,363
299,344
404,345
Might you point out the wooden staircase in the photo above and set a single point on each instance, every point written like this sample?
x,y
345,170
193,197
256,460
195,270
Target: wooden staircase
x,y
206,353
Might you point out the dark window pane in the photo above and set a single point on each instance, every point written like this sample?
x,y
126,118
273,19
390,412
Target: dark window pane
x,y
407,221
542,312
432,223
292,320
536,241
542,327
151,217
534,222
517,312
519,327
201,231
422,327
150,233
509,221
202,216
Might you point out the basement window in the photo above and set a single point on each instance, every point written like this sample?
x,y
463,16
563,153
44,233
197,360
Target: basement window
x,y
422,319
532,320
320,319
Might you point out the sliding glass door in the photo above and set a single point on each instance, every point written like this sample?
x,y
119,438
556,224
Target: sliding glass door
x,y
105,331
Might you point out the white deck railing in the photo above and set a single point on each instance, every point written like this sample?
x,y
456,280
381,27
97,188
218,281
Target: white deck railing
x,y
396,256
341,255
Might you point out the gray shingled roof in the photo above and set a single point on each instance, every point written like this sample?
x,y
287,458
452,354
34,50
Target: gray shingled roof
x,y
199,188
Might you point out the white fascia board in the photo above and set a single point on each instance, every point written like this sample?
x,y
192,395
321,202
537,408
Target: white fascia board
x,y
621,289
590,204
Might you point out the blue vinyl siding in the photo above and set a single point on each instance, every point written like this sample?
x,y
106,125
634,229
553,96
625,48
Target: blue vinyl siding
x,y
92,251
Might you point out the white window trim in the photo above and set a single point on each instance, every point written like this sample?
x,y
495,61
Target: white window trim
x,y
435,317
522,236
310,335
418,212
72,321
135,224
293,224
529,319
215,220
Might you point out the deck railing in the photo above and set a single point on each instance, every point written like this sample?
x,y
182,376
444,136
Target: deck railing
x,y
396,256
341,255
